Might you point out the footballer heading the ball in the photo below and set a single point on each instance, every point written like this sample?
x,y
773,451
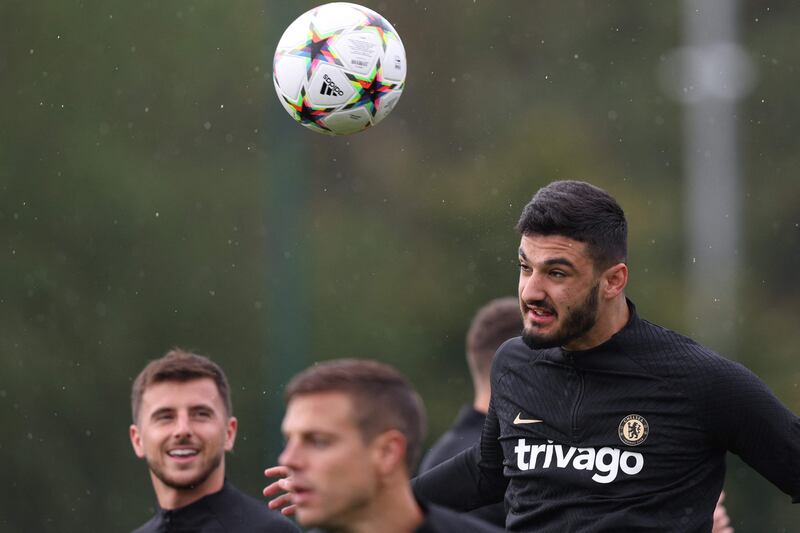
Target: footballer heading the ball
x,y
339,68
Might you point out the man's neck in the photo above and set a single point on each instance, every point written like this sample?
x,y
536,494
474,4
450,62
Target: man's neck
x,y
609,322
171,498
395,511
481,401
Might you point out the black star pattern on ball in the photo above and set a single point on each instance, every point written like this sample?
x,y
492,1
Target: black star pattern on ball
x,y
316,49
379,23
371,91
307,115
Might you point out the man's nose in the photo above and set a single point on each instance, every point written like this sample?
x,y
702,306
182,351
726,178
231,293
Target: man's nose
x,y
531,288
183,426
290,456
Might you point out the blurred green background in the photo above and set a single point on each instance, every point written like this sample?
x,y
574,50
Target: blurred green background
x,y
153,193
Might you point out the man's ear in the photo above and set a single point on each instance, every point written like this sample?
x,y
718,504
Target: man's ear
x,y
389,451
614,280
136,441
230,433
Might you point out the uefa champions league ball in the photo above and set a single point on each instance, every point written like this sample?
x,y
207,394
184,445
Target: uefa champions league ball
x,y
339,68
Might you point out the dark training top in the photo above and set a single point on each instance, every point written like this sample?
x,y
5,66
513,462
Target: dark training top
x,y
629,435
464,433
226,511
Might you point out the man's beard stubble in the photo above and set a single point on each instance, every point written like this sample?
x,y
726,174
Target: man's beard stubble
x,y
578,322
198,480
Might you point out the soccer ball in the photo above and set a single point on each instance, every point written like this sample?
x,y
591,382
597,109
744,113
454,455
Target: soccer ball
x,y
339,68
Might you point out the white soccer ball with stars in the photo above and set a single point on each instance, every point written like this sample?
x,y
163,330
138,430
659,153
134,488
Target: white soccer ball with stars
x,y
339,68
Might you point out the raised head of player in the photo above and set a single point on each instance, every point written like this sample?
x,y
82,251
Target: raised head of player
x,y
573,274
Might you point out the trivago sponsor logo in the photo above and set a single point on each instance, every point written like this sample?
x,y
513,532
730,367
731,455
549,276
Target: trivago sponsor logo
x,y
606,462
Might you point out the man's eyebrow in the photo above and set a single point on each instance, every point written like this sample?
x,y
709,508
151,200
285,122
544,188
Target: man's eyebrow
x,y
559,261
550,262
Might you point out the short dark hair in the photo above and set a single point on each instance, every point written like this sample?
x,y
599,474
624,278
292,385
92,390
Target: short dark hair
x,y
381,397
494,323
181,366
579,211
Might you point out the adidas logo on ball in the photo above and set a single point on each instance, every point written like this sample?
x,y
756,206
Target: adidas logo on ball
x,y
329,88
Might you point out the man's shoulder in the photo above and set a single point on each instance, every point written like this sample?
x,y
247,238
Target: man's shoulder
x,y
661,348
511,353
149,526
440,519
682,362
512,346
240,510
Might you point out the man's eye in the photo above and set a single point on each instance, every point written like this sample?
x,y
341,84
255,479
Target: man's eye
x,y
319,442
557,274
524,267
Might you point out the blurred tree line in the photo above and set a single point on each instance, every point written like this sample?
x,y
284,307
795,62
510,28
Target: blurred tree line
x,y
153,193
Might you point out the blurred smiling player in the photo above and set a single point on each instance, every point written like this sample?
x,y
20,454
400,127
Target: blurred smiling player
x,y
182,428
600,420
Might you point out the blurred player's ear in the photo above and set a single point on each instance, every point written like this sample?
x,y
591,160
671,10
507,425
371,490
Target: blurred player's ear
x,y
136,441
389,451
614,280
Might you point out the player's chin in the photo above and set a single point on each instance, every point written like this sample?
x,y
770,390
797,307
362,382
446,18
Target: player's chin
x,y
185,478
536,340
308,516
539,332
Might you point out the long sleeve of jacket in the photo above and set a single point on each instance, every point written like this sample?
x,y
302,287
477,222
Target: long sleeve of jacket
x,y
471,479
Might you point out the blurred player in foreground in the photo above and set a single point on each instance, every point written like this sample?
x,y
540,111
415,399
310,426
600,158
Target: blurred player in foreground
x,y
353,432
182,426
600,420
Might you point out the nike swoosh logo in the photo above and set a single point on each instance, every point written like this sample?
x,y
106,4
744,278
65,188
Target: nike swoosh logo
x,y
520,420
